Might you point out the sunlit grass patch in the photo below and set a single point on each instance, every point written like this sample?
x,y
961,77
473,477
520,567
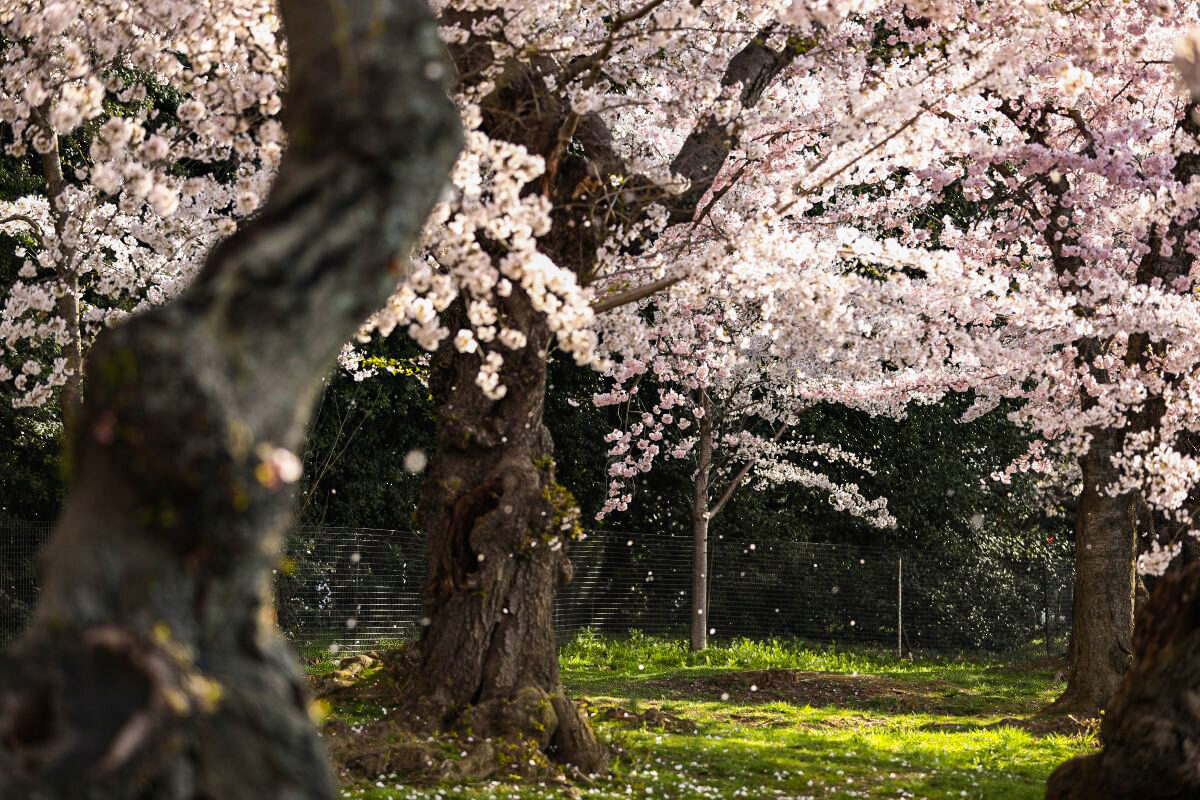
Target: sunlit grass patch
x,y
785,719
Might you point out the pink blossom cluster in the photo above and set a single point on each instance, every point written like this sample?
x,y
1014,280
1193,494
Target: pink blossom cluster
x,y
724,372
122,226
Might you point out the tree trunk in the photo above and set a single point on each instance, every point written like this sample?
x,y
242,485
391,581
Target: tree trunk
x,y
1105,582
68,302
153,668
72,394
498,527
1151,728
497,522
700,517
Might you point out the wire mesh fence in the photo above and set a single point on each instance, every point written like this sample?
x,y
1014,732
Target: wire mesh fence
x,y
914,602
356,589
19,545
359,588
626,581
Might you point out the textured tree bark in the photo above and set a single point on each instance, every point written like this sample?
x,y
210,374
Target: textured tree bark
x,y
700,518
1151,728
68,303
498,526
153,668
1105,583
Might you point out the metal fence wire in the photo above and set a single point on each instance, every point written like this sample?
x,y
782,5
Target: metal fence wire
x,y
357,589
19,545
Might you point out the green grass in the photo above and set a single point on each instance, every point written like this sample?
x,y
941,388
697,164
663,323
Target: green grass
x,y
853,723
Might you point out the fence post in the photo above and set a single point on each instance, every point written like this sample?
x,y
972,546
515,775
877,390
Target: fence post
x,y
900,607
1046,604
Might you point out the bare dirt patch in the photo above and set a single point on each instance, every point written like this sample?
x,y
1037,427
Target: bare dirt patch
x,y
651,717
817,689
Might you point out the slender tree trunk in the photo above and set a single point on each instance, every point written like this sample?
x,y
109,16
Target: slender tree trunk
x,y
153,669
72,393
68,302
1105,582
499,527
1151,727
700,518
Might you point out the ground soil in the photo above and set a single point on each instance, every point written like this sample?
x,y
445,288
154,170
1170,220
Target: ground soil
x,y
817,689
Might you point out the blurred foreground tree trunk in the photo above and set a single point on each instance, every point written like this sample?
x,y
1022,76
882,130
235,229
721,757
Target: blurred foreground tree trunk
x,y
153,667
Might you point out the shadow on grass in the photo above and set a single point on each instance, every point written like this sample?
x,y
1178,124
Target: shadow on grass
x,y
978,695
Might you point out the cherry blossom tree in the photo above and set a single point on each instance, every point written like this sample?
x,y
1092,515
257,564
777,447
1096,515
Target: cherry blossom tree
x,y
1149,723
151,133
1083,181
1068,291
1074,151
153,667
720,394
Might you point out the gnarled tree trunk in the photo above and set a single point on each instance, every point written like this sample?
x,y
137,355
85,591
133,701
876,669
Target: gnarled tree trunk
x,y
1151,728
1102,610
497,522
498,527
153,668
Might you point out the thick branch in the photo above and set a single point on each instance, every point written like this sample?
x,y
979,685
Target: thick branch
x,y
633,295
703,153
741,476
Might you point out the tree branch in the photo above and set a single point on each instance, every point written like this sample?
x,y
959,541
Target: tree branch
x,y
703,153
633,295
741,475
30,221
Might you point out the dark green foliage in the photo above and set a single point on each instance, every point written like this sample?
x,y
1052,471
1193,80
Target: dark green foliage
x,y
31,482
354,473
953,519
